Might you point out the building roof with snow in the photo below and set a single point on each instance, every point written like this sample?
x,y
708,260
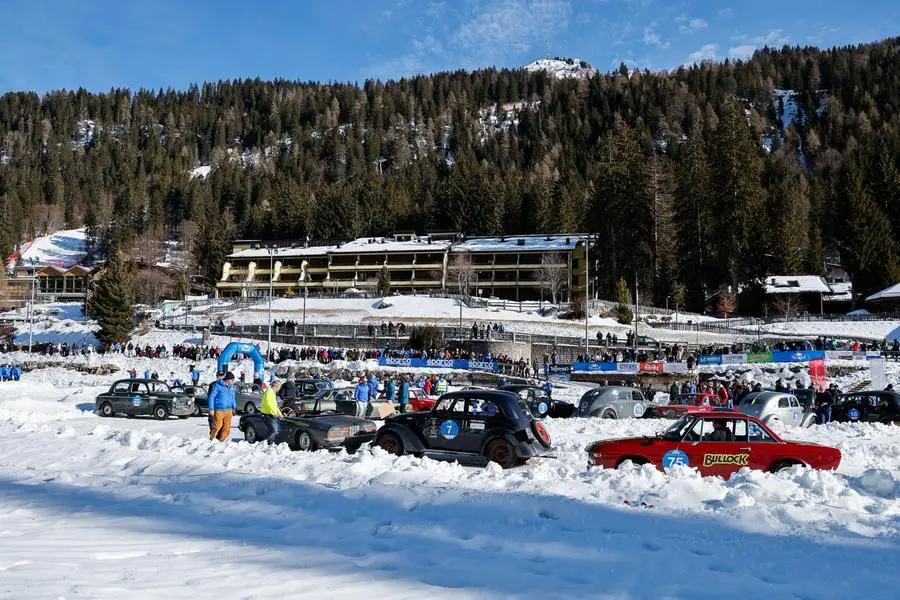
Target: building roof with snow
x,y
422,243
283,252
521,243
842,291
797,284
891,293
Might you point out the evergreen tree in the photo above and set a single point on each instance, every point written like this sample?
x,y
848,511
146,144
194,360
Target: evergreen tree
x,y
111,301
623,308
384,282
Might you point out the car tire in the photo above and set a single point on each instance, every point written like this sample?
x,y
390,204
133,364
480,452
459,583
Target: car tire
x,y
502,453
197,412
250,409
391,443
107,410
608,414
250,435
541,433
160,412
783,465
305,442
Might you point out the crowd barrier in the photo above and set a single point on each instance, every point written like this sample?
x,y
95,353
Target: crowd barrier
x,y
440,363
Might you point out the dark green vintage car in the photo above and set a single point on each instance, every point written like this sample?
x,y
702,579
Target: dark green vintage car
x,y
139,397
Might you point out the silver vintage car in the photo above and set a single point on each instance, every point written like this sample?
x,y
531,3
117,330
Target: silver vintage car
x,y
613,402
773,408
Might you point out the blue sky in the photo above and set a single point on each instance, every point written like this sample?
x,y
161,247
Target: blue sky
x,y
99,44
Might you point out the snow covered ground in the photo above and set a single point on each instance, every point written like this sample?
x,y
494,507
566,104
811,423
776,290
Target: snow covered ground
x,y
61,249
869,330
109,508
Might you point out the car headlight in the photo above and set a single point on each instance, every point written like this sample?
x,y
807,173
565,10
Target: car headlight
x,y
337,433
367,427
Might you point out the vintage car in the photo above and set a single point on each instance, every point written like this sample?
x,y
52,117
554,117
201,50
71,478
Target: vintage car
x,y
198,393
716,443
311,430
684,404
247,397
867,407
539,401
773,408
137,397
419,400
492,425
321,400
345,404
614,402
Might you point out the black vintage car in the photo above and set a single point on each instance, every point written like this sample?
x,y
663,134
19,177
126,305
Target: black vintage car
x,y
495,425
539,401
198,393
867,407
137,397
311,430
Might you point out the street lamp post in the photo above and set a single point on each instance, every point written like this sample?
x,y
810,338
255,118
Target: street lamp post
x,y
271,250
305,294
587,297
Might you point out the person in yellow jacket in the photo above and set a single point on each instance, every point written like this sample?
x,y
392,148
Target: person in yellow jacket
x,y
270,410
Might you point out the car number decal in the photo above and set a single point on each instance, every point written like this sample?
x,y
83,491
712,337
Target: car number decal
x,y
135,400
449,429
853,414
638,410
675,457
710,460
476,425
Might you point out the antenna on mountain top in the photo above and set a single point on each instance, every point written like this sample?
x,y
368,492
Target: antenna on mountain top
x,y
548,51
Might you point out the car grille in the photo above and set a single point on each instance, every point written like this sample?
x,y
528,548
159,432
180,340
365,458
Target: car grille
x,y
354,429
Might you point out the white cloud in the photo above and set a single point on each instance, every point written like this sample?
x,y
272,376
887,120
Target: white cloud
x,y
725,13
742,52
505,27
774,38
707,52
652,38
690,26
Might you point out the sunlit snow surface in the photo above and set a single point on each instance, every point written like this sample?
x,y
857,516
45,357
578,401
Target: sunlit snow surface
x,y
136,508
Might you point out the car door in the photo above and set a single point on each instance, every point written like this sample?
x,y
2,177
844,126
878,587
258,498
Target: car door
x,y
876,408
718,457
121,396
796,411
445,424
637,405
482,416
852,408
139,399
782,409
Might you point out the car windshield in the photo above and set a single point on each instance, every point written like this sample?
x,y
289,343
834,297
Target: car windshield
x,y
686,400
677,430
753,400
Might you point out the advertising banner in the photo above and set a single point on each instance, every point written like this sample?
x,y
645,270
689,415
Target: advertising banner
x,y
711,359
594,367
628,367
839,354
797,356
734,359
759,357
817,373
651,367
675,367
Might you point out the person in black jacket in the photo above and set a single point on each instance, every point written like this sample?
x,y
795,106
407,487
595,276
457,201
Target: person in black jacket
x,y
288,389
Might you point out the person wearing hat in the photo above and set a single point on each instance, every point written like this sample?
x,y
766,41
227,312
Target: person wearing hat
x,y
288,389
270,410
221,405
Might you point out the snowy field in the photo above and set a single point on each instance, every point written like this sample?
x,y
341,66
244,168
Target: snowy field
x,y
869,330
113,508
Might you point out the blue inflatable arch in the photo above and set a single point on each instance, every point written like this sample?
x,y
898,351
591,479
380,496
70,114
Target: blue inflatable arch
x,y
247,349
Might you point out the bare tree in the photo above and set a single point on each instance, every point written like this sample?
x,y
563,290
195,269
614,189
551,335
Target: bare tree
x,y
462,272
787,306
554,273
153,285
727,302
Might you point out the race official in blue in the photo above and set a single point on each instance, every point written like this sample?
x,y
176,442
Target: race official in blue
x,y
404,394
221,404
361,395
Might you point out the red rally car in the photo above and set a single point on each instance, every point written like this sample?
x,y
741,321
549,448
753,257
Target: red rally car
x,y
419,400
717,443
687,403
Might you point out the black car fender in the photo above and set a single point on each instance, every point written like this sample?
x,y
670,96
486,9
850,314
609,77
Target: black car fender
x,y
411,442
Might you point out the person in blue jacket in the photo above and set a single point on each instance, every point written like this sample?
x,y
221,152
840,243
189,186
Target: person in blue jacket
x,y
404,393
4,373
361,395
16,372
221,405
390,389
373,387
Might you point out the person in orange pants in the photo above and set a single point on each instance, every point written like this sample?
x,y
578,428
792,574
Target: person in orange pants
x,y
221,405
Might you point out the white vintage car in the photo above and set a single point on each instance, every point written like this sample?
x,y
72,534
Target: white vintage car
x,y
774,408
